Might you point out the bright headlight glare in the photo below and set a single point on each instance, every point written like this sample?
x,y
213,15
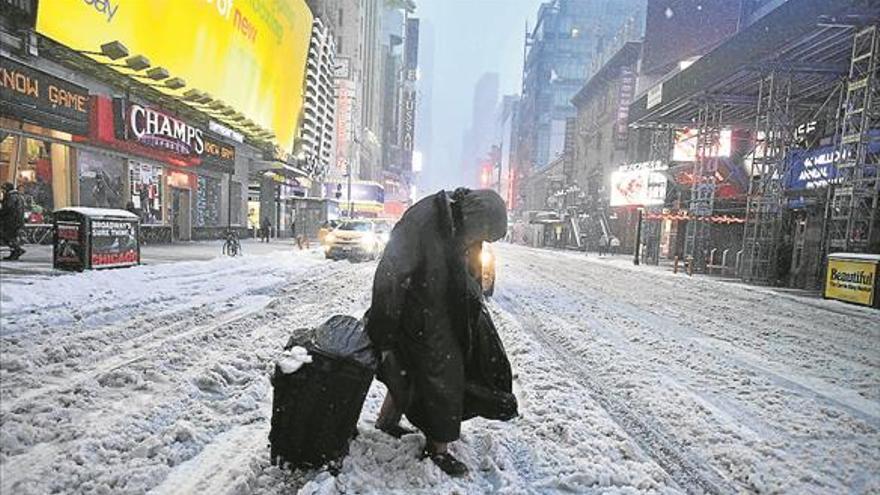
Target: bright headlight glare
x,y
485,257
330,238
368,240
386,237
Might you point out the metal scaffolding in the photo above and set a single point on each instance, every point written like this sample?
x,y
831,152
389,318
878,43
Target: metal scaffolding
x,y
704,185
853,206
774,133
660,151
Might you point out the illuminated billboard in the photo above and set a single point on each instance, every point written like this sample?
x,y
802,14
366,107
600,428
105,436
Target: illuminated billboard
x,y
685,147
639,184
249,55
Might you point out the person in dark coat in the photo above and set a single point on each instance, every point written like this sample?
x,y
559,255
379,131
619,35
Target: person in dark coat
x,y
11,220
419,319
265,229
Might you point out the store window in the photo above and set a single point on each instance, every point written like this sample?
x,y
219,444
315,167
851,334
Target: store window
x,y
207,210
101,180
41,172
147,191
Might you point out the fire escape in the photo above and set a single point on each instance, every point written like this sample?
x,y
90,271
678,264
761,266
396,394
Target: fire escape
x,y
853,206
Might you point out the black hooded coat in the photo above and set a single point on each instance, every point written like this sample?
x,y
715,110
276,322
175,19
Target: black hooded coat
x,y
449,364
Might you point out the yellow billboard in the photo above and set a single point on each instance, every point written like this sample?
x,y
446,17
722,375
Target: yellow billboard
x,y
851,280
249,54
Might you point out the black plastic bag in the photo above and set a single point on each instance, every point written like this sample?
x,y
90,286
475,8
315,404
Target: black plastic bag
x,y
488,376
341,336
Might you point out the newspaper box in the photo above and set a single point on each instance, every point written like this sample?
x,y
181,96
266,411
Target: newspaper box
x,y
95,238
852,277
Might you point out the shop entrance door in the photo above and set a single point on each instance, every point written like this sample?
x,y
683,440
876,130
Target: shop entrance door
x,y
181,214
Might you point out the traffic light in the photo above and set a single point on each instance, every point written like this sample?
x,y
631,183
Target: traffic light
x,y
338,191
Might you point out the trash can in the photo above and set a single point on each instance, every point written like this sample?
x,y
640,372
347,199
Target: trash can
x,y
95,238
316,401
852,277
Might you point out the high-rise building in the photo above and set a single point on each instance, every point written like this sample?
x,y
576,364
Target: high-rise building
x,y
369,140
317,132
507,135
343,17
558,56
480,136
393,35
400,42
424,141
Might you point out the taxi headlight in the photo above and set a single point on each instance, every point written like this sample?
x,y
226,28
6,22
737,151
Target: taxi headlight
x,y
330,239
386,237
486,258
368,240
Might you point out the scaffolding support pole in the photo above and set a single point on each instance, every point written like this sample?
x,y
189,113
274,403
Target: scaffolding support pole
x,y
775,133
661,152
704,185
855,199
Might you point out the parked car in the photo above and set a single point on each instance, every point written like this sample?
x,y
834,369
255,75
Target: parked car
x,y
354,240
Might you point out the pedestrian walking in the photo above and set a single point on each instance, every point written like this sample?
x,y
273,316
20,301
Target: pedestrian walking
x,y
265,229
11,220
297,235
441,357
603,245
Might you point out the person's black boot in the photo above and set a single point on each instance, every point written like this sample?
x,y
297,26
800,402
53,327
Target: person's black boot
x,y
447,463
395,430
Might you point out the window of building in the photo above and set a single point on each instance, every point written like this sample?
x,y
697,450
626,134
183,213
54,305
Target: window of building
x,y
41,171
101,180
339,19
207,208
147,190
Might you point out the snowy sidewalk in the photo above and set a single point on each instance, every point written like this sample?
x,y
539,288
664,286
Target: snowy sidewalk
x,y
37,261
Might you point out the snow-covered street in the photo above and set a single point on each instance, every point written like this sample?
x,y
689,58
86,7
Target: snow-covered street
x,y
630,380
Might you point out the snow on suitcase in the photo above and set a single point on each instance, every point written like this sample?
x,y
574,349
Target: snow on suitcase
x,y
319,389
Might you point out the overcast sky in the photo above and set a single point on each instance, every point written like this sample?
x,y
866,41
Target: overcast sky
x,y
471,37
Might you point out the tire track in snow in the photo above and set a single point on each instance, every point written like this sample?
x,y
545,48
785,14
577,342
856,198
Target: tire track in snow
x,y
729,353
659,446
142,346
214,469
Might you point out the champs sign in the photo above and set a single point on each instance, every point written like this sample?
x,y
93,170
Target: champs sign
x,y
155,129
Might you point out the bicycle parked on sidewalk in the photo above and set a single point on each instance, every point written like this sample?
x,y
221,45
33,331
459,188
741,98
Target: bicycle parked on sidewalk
x,y
232,245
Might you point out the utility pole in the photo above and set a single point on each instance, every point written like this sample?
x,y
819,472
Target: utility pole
x,y
354,141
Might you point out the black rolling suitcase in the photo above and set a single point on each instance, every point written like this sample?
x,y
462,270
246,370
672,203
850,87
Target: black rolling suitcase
x,y
315,409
